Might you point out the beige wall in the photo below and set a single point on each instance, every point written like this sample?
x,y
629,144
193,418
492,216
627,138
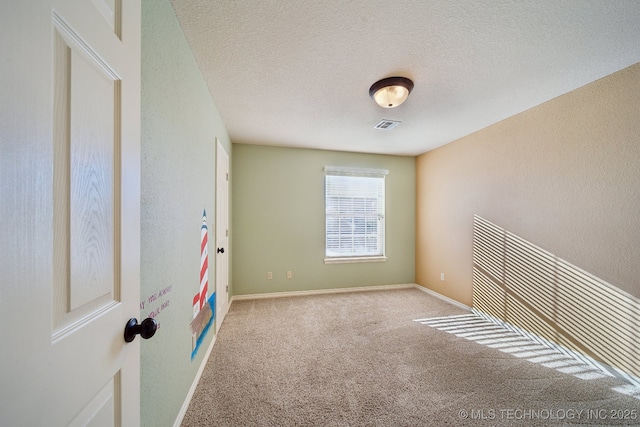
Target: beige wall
x,y
564,175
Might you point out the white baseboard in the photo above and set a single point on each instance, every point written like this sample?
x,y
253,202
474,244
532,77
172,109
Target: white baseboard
x,y
355,289
187,401
321,291
196,380
442,297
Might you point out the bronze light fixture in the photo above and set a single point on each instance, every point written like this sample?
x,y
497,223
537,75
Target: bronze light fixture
x,y
391,92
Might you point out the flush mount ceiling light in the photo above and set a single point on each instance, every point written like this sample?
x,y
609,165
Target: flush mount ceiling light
x,y
391,92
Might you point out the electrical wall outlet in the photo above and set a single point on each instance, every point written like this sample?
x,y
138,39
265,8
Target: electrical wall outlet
x,y
289,274
269,275
442,277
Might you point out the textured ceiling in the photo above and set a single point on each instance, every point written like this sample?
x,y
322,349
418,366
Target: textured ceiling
x,y
297,73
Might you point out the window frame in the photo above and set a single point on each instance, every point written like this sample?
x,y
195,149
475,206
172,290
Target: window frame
x,y
380,213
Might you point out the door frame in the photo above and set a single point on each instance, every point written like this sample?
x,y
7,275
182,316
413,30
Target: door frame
x,y
222,233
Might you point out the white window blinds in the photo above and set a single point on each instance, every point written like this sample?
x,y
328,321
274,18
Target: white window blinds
x,y
354,202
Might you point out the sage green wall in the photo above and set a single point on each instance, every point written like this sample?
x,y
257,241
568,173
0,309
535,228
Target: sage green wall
x,y
179,125
278,220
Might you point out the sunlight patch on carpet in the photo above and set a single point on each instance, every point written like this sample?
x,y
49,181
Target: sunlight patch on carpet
x,y
483,331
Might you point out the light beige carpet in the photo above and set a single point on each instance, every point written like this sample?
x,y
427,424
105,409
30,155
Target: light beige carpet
x,y
371,359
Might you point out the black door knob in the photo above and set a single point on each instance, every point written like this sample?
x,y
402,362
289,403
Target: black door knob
x,y
146,329
220,250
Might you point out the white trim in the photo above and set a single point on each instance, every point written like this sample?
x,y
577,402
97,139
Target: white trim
x,y
221,233
347,260
196,380
442,297
321,291
354,289
342,170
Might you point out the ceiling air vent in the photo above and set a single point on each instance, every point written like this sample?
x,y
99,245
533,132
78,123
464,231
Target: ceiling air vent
x,y
386,124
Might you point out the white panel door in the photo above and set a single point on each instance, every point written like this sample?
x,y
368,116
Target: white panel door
x,y
69,206
222,233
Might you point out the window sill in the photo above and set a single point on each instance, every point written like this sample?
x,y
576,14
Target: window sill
x,y
348,260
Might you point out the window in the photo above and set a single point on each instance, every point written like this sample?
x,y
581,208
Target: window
x,y
354,214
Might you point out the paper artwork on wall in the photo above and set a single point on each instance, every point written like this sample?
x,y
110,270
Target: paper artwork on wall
x,y
203,305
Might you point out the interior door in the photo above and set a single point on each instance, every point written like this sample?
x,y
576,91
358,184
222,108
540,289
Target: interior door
x,y
222,233
69,187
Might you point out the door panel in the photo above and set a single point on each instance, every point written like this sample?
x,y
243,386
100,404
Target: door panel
x,y
86,111
100,411
69,183
111,12
92,148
